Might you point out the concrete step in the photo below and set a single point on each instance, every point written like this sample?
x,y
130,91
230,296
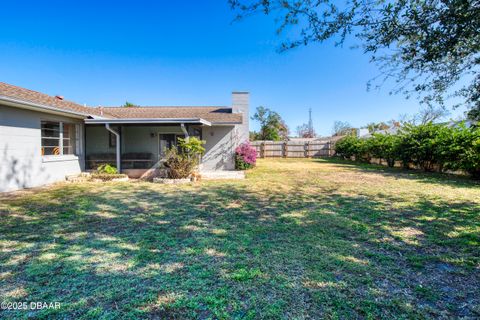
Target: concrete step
x,y
222,174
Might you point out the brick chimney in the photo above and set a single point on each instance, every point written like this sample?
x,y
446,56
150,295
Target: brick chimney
x,y
241,104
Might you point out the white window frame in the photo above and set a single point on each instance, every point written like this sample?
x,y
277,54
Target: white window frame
x,y
61,155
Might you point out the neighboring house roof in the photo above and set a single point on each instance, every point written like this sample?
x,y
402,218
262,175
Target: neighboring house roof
x,y
214,115
390,130
211,114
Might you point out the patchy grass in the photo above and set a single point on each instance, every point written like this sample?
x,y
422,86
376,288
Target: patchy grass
x,y
297,239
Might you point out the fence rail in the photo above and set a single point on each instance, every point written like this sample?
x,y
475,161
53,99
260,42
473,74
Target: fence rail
x,y
293,149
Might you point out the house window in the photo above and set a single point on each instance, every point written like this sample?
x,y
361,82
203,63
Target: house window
x,y
112,140
59,138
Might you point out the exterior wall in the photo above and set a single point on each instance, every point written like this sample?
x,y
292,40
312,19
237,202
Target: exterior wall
x,y
221,142
97,140
21,162
139,139
241,104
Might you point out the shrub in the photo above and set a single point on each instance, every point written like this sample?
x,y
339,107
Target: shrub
x,y
351,146
179,165
107,169
183,160
385,146
363,151
420,145
191,146
428,146
460,150
347,147
245,156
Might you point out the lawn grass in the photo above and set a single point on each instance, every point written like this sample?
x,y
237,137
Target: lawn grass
x,y
296,239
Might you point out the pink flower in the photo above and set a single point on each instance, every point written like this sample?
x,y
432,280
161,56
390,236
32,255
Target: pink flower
x,y
247,153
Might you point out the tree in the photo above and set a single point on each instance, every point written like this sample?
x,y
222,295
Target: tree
x,y
430,114
272,126
304,131
129,105
341,128
374,127
252,135
426,115
429,48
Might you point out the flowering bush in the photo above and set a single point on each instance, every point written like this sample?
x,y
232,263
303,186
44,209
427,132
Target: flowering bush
x,y
245,156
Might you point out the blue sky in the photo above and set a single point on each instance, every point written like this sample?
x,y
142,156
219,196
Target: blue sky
x,y
184,53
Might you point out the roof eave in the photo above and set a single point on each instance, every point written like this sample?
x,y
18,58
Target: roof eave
x,y
149,120
226,123
23,104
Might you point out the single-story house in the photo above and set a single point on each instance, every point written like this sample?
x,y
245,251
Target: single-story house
x,y
44,139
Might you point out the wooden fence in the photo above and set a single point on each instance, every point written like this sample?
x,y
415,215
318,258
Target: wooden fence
x,y
293,149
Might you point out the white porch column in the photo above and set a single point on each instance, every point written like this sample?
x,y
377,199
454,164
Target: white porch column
x,y
118,155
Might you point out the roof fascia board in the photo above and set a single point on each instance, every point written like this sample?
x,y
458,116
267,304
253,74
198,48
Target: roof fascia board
x,y
225,123
148,120
12,102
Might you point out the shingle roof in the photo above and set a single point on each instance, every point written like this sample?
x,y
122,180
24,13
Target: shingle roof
x,y
27,95
211,114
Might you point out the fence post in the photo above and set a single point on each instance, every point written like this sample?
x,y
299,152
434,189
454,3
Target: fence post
x,y
307,149
262,149
285,149
329,145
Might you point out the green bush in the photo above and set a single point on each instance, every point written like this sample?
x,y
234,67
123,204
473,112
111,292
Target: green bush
x,y
420,145
385,146
351,146
460,150
364,150
429,146
347,147
107,169
183,160
191,146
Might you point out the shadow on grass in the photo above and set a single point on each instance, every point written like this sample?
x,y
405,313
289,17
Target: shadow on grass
x,y
400,173
223,251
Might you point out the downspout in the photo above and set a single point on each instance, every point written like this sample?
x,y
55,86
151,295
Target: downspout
x,y
182,126
117,136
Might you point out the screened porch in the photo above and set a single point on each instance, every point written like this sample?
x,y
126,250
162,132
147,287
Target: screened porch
x,y
142,146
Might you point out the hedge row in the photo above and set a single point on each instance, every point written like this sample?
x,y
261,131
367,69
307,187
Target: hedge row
x,y
430,147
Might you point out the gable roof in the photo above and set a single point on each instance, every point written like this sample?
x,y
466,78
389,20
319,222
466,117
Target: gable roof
x,y
211,114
